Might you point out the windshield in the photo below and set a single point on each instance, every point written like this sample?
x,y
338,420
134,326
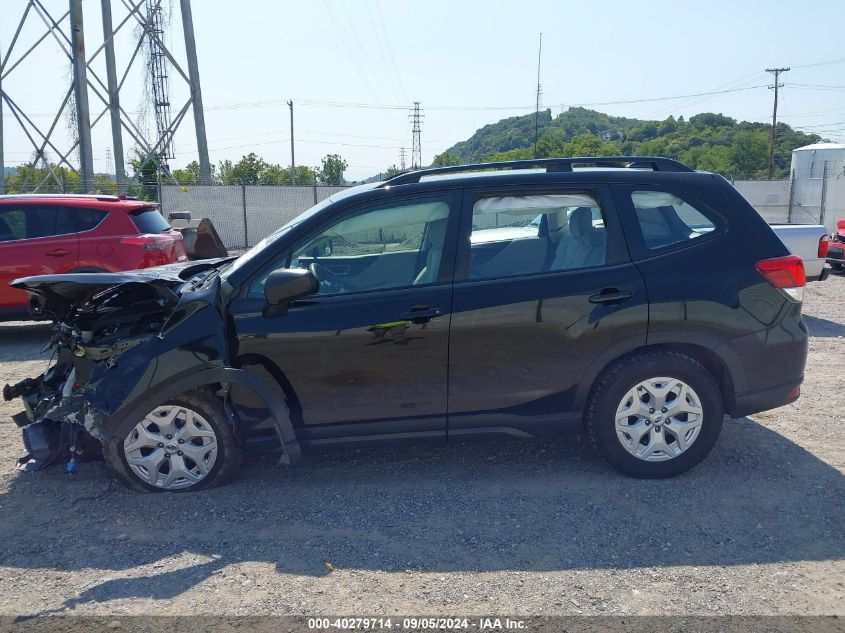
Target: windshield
x,y
271,239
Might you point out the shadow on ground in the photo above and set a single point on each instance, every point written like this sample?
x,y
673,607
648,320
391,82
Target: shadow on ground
x,y
759,498
18,339
823,327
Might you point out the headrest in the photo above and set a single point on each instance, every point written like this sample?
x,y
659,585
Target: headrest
x,y
580,222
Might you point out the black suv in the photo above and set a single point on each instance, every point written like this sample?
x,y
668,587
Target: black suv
x,y
628,295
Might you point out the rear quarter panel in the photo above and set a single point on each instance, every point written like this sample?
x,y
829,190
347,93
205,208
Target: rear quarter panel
x,y
708,293
101,248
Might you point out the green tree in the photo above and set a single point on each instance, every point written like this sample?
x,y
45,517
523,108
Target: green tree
x,y
445,160
226,173
590,145
28,177
305,175
749,154
146,168
391,171
274,175
331,169
248,170
190,175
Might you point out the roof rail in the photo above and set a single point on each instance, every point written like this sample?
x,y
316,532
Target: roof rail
x,y
102,197
655,163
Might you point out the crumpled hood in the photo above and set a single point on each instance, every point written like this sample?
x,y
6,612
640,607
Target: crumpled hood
x,y
55,293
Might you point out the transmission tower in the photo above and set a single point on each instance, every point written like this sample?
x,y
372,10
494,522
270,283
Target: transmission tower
x,y
402,158
416,149
157,67
66,32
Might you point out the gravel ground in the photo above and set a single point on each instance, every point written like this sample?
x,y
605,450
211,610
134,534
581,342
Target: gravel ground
x,y
515,527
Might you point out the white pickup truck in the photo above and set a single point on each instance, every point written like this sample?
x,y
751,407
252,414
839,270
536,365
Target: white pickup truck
x,y
803,240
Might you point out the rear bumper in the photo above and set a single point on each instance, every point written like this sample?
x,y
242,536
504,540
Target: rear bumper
x,y
821,277
836,253
765,399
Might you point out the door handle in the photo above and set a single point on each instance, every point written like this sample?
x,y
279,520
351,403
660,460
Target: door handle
x,y
421,314
58,252
611,296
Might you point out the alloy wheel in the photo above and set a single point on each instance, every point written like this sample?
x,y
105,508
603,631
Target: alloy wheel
x,y
172,448
658,419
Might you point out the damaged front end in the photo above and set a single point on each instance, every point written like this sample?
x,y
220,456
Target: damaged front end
x,y
116,338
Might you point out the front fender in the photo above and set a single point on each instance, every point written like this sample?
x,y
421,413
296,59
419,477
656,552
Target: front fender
x,y
223,375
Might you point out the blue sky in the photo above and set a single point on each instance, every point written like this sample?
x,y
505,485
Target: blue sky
x,y
468,63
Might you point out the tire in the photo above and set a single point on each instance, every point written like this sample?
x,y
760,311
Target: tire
x,y
205,430
663,450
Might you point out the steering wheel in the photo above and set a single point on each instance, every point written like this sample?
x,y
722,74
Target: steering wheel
x,y
327,280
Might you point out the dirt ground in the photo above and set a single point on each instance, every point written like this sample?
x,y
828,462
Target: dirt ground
x,y
517,527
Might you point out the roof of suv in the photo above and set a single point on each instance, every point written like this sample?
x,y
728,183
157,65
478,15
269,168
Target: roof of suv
x,y
129,204
604,168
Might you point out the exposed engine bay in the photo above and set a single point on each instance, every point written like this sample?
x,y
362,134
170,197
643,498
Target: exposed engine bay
x,y
97,319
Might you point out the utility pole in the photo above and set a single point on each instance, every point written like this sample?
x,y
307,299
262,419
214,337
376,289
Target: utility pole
x,y
416,149
196,92
292,161
776,72
402,158
80,93
537,108
114,99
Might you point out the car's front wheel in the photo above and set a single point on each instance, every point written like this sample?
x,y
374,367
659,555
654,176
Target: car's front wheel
x,y
655,414
184,444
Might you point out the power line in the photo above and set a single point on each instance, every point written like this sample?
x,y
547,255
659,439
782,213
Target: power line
x,y
839,60
393,63
352,57
381,50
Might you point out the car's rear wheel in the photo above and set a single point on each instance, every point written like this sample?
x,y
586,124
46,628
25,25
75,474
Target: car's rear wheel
x,y
655,414
184,444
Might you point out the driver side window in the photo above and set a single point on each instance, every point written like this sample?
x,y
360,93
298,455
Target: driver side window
x,y
390,247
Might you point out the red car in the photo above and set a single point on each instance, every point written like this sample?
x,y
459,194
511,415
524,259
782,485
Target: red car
x,y
835,248
43,234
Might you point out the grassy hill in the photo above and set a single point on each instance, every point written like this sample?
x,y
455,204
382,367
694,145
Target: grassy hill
x,y
715,142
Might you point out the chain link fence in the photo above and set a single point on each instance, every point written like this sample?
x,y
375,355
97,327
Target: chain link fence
x,y
242,214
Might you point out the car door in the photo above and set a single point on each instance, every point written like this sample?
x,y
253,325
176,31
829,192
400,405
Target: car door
x,y
539,307
371,347
34,240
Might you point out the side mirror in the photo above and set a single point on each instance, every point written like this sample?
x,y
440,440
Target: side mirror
x,y
289,284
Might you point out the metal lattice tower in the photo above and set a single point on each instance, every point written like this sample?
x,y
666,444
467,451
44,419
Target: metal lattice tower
x,y
157,67
66,31
416,148
402,158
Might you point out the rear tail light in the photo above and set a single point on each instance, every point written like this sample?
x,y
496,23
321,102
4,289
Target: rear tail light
x,y
786,274
149,242
823,244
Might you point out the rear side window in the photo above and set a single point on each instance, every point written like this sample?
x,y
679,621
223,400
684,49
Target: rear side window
x,y
665,219
531,234
87,219
31,221
12,225
149,221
